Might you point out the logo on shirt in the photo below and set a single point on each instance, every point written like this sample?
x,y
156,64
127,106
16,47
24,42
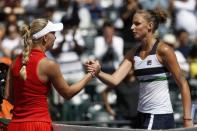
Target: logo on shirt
x,y
149,62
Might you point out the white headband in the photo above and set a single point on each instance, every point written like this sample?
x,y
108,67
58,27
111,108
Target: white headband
x,y
50,27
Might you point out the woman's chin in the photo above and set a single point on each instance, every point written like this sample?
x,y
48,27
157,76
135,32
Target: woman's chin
x,y
136,37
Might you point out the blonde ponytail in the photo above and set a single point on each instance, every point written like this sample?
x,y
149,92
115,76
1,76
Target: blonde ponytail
x,y
23,72
27,32
27,48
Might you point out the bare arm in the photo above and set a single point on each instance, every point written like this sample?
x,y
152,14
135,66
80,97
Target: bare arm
x,y
108,107
167,56
112,79
117,76
52,72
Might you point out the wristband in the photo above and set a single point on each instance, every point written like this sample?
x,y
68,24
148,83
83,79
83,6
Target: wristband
x,y
93,76
187,119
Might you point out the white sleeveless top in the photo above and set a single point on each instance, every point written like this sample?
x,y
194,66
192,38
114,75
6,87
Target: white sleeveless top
x,y
154,97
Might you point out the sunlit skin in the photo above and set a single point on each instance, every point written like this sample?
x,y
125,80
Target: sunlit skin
x,y
139,27
51,36
143,31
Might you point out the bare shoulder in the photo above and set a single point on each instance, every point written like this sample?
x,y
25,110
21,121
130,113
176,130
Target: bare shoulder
x,y
165,53
164,49
49,66
48,62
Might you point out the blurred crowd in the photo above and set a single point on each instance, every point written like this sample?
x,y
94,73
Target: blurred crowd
x,y
98,29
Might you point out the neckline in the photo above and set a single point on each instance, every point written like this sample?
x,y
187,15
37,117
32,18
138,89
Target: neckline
x,y
153,50
36,50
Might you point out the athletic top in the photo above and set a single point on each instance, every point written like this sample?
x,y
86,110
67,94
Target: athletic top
x,y
154,97
30,96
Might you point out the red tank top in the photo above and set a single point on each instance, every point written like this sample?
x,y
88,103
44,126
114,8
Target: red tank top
x,y
30,96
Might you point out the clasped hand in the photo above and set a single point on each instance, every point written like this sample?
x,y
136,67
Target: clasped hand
x,y
93,67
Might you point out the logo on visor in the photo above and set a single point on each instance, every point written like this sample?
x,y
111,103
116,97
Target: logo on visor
x,y
149,62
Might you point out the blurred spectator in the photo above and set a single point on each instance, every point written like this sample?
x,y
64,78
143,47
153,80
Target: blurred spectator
x,y
49,12
153,4
18,8
125,105
184,44
84,16
96,12
31,5
170,39
71,8
72,36
185,16
118,3
11,19
51,3
12,42
2,4
109,48
13,6
10,3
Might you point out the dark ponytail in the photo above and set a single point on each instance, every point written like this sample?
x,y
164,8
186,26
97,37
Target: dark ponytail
x,y
160,15
156,16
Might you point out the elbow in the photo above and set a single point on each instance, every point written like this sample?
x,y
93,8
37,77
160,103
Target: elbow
x,y
68,96
114,84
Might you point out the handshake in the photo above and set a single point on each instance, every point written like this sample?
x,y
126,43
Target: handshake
x,y
93,67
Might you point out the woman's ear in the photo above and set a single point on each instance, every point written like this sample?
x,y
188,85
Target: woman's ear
x,y
44,40
150,26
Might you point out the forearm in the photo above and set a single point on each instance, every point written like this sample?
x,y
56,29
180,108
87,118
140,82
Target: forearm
x,y
117,76
186,100
77,87
108,79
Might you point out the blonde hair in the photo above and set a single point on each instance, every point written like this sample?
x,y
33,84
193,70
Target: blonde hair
x,y
27,32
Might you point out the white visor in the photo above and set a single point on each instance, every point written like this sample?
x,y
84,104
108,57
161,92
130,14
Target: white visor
x,y
50,27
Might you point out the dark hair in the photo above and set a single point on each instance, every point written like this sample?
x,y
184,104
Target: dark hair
x,y
178,32
156,16
107,24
